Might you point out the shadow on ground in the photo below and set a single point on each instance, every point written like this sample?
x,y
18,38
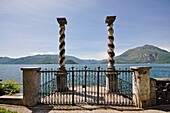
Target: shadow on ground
x,y
47,108
42,108
160,107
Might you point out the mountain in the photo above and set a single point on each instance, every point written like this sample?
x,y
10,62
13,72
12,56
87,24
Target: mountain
x,y
38,59
4,60
81,61
144,54
44,59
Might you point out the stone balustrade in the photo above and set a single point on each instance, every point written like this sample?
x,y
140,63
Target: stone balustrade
x,y
162,90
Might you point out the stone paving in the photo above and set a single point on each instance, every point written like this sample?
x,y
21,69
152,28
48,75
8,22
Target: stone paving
x,y
84,109
81,108
13,96
119,98
16,99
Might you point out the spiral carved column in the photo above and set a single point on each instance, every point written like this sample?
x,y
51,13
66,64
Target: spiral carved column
x,y
62,76
111,47
111,78
62,22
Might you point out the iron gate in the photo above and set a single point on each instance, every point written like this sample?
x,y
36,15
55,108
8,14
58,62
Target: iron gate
x,y
85,86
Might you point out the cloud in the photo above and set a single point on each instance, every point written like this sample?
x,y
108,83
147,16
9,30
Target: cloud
x,y
41,7
165,47
91,55
42,53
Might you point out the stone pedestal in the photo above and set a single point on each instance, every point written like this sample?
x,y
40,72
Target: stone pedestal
x,y
31,85
141,86
112,82
61,79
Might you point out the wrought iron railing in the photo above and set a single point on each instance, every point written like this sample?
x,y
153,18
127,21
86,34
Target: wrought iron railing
x,y
86,86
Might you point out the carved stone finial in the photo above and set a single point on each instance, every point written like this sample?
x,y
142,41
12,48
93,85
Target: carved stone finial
x,y
110,19
62,21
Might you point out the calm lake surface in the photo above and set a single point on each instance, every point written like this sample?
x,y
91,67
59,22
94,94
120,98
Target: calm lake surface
x,y
13,71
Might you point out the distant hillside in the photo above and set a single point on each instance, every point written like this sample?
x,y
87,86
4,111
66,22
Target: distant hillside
x,y
81,61
4,60
44,59
144,54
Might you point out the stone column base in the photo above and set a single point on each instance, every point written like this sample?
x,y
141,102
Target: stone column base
x,y
61,79
112,82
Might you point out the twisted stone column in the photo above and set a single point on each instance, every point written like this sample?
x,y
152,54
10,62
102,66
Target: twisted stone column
x,y
62,22
110,51
62,76
111,78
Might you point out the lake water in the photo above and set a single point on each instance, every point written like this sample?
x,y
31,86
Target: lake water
x,y
13,71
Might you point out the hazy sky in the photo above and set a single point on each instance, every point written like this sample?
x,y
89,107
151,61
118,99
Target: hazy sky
x,y
29,27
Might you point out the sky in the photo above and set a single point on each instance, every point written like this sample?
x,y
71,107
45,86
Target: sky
x,y
29,27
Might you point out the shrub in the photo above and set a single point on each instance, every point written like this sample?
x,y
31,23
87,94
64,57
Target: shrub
x,y
2,110
9,87
2,89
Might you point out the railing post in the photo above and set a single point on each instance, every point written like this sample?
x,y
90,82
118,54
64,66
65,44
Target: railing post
x,y
73,86
31,85
141,86
62,78
111,77
98,83
85,83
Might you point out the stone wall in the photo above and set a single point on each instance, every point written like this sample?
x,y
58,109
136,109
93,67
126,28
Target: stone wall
x,y
31,85
148,91
162,90
152,91
141,86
